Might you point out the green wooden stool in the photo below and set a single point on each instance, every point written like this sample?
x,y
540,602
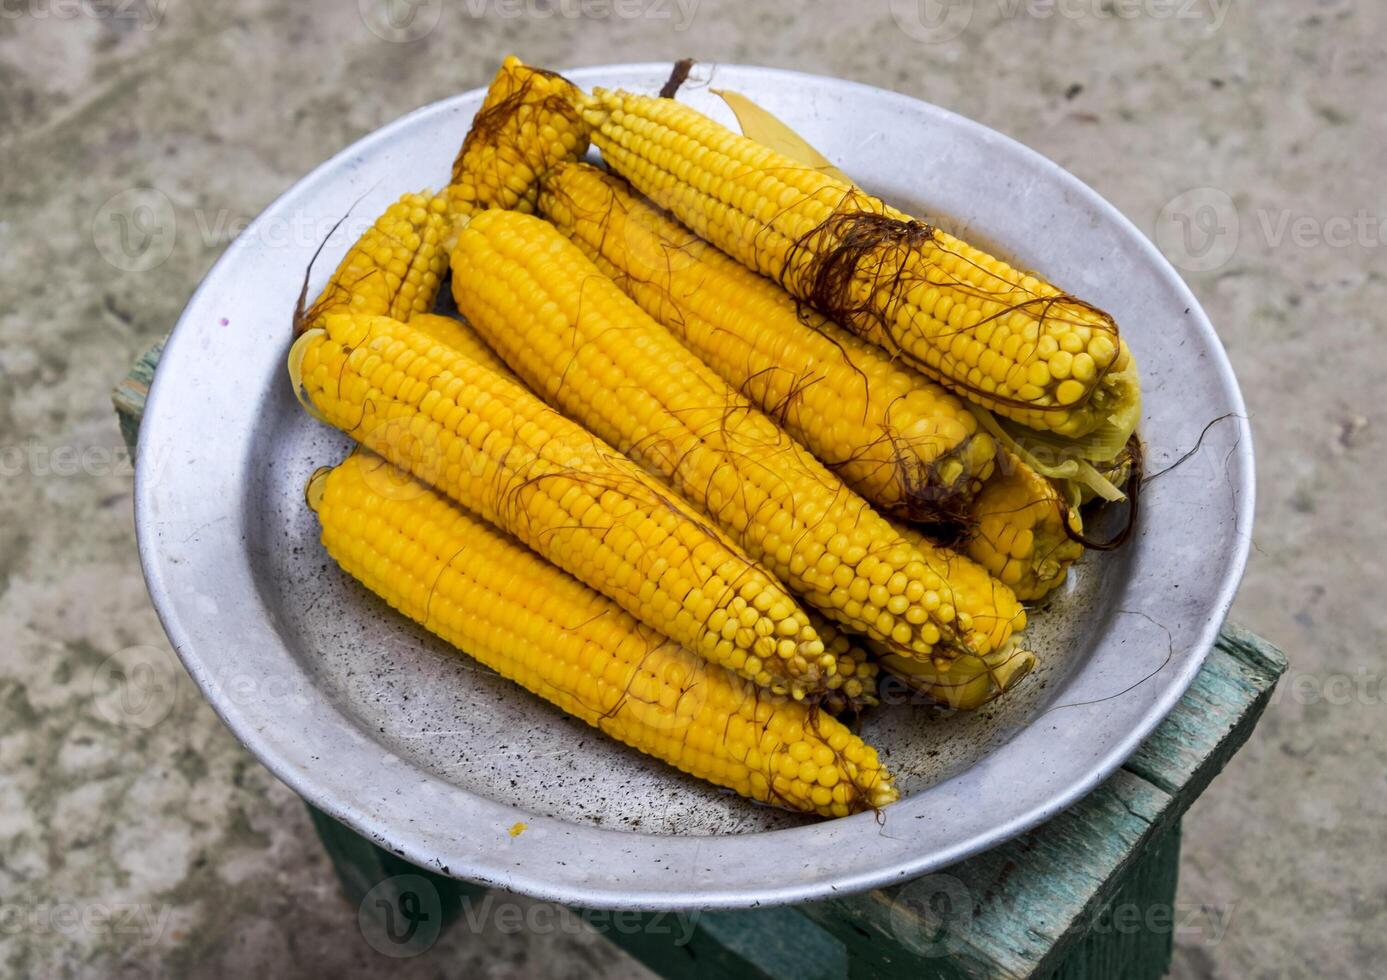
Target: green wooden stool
x,y
1091,894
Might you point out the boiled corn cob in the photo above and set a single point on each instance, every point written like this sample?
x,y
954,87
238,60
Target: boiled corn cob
x,y
527,123
496,449
1018,529
964,683
999,336
903,442
483,592
582,344
851,687
394,270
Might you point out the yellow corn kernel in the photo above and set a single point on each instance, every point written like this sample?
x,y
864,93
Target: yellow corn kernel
x,y
584,346
394,270
496,449
901,441
1017,529
912,289
482,591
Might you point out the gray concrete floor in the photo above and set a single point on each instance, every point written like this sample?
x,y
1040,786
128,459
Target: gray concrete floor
x,y
208,865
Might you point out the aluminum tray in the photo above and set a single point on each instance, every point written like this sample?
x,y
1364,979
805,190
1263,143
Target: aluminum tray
x,y
379,725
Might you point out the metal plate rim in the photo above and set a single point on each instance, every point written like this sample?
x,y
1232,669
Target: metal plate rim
x,y
525,871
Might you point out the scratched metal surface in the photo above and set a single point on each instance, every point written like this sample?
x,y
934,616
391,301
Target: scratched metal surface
x,y
381,725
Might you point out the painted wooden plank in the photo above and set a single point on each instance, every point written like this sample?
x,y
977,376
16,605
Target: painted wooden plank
x,y
1007,912
1037,890
1214,718
755,944
1130,936
390,895
401,910
130,394
1133,936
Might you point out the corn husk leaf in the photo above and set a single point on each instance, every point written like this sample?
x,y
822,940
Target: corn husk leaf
x,y
768,130
1076,470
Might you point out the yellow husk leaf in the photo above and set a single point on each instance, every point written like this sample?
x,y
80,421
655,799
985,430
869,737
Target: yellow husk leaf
x,y
766,129
1079,471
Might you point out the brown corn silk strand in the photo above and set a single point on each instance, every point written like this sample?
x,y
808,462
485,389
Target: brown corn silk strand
x,y
854,268
527,123
885,465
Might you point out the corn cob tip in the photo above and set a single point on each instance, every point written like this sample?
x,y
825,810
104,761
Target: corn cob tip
x,y
853,685
882,793
1023,532
294,363
394,269
1010,672
528,123
966,682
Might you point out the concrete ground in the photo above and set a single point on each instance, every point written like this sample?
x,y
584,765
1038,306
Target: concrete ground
x,y
165,849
